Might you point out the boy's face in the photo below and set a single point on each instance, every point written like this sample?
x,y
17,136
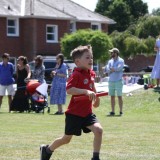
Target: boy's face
x,y
85,61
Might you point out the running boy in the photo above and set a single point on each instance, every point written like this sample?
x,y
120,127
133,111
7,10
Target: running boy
x,y
79,116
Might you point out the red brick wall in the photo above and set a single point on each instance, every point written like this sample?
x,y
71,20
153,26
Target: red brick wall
x,y
8,44
105,28
34,37
83,25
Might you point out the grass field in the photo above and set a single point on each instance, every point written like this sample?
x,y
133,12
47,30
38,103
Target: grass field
x,y
135,136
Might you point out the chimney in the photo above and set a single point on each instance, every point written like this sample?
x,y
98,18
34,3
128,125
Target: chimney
x,y
32,7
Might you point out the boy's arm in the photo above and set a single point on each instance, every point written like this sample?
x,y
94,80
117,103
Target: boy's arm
x,y
97,99
79,91
76,91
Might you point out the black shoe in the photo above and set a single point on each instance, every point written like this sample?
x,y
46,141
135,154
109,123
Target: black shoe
x,y
120,113
43,153
111,114
58,113
95,159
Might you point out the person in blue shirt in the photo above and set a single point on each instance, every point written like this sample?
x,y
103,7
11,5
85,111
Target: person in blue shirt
x,y
6,79
114,68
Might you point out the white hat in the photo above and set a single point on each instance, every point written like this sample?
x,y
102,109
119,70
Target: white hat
x,y
114,50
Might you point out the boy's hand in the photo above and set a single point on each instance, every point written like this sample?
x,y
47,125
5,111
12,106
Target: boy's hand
x,y
96,102
92,95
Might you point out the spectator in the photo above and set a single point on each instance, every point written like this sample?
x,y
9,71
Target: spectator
x,y
156,68
58,88
39,70
114,68
20,101
6,79
79,115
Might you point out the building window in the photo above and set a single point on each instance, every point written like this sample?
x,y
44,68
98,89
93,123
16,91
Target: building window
x,y
72,27
96,26
12,27
51,34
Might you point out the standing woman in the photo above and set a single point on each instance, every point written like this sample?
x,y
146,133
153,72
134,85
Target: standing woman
x,y
39,70
58,88
20,101
156,68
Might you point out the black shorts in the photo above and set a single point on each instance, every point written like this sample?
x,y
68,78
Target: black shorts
x,y
75,124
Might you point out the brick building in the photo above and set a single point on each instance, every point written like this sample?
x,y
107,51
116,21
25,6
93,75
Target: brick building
x,y
31,27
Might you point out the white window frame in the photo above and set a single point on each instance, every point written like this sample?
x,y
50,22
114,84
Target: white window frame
x,y
73,24
16,27
96,24
55,34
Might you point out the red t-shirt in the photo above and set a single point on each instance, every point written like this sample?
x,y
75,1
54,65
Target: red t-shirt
x,y
83,80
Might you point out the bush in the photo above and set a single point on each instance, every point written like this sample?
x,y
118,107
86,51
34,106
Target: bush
x,y
99,41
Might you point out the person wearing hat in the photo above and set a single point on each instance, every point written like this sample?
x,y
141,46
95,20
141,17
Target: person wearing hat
x,y
114,69
6,79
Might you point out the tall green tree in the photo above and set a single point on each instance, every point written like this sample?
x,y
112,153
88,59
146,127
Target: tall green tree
x,y
124,12
116,11
137,8
102,6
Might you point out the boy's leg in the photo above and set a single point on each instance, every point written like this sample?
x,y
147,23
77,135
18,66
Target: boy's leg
x,y
59,142
46,150
97,129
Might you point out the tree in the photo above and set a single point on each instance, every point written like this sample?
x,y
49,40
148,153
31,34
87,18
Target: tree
x,y
148,26
150,42
102,6
118,39
117,10
137,8
99,41
131,45
156,12
125,14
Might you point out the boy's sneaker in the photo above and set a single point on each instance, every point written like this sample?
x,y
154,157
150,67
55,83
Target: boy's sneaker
x,y
43,153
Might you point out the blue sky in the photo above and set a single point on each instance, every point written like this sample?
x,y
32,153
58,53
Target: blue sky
x,y
91,4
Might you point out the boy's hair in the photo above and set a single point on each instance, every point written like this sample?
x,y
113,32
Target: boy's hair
x,y
5,55
79,51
